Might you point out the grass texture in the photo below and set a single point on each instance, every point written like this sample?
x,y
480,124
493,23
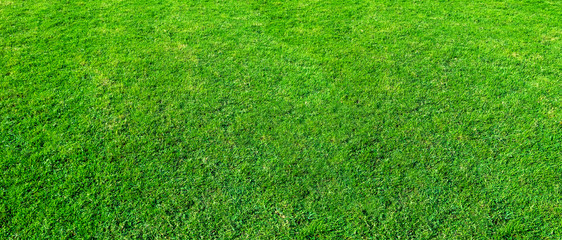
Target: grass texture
x,y
282,119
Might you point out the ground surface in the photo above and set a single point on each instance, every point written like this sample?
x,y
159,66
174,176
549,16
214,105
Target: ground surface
x,y
287,119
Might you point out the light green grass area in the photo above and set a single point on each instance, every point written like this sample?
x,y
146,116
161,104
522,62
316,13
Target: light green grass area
x,y
283,119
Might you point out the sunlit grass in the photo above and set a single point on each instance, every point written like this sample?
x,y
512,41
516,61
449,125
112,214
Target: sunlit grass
x,y
280,119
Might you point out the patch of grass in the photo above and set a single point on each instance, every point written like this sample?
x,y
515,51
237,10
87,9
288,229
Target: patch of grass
x,y
280,119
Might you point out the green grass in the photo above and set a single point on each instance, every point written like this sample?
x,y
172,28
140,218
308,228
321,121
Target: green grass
x,y
258,119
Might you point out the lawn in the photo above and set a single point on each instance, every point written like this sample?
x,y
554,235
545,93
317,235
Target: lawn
x,y
282,119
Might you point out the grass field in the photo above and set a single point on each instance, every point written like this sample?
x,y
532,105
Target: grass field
x,y
325,119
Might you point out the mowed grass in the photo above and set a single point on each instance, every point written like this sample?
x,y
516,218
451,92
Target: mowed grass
x,y
168,119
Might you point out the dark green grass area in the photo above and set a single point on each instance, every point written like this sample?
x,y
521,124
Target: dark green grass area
x,y
257,119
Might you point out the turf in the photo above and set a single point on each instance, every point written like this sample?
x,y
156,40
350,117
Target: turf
x,y
258,119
